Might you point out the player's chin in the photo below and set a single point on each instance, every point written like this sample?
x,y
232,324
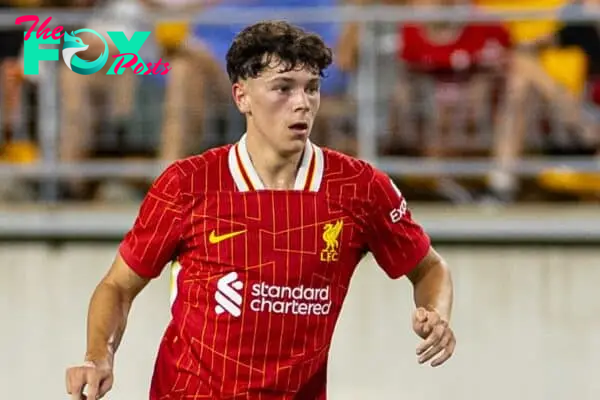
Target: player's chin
x,y
291,147
299,134
297,139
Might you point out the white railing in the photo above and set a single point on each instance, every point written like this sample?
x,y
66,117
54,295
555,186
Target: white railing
x,y
49,169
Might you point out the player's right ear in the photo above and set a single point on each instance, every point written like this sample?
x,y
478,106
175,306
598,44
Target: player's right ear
x,y
240,97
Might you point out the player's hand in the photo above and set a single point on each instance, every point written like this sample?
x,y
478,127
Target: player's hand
x,y
97,376
438,337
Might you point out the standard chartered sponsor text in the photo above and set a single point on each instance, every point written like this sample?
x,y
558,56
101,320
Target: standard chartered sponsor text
x,y
298,300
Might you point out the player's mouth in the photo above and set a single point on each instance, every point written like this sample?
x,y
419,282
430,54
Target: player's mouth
x,y
300,128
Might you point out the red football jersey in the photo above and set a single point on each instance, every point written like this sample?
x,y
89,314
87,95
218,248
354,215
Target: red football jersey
x,y
263,273
475,46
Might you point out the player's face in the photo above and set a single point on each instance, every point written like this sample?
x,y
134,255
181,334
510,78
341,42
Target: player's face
x,y
280,106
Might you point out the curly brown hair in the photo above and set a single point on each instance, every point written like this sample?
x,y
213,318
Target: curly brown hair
x,y
258,45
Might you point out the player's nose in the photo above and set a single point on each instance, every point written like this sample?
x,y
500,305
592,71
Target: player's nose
x,y
301,101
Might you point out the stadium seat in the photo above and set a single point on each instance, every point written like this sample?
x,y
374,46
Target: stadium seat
x,y
19,152
523,31
566,66
568,181
170,34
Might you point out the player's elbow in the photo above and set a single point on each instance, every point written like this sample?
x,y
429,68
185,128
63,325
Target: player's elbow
x,y
432,269
123,281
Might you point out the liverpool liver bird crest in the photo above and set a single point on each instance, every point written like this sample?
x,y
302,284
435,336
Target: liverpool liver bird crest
x,y
331,233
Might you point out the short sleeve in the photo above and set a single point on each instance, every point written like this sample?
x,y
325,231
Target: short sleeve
x,y
397,242
156,233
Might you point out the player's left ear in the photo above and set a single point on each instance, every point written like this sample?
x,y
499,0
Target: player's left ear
x,y
240,96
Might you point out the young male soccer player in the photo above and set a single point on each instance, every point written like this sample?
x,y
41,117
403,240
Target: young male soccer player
x,y
267,233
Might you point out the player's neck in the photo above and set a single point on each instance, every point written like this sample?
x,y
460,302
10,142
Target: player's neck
x,y
276,172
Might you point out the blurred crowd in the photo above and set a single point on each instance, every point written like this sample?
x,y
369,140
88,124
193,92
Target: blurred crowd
x,y
460,91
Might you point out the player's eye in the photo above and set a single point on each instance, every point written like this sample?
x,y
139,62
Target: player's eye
x,y
313,89
283,89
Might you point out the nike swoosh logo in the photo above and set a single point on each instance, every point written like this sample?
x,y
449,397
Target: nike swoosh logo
x,y
214,238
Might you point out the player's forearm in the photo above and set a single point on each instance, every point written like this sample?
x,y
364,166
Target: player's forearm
x,y
433,287
107,318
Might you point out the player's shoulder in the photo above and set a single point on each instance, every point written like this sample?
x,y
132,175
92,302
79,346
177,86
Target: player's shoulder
x,y
343,172
191,172
348,168
200,162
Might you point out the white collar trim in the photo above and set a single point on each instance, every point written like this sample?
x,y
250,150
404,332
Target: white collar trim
x,y
309,176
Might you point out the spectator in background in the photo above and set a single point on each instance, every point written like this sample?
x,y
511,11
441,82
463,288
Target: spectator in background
x,y
460,59
13,148
456,68
189,71
17,136
15,145
194,74
565,82
83,113
348,52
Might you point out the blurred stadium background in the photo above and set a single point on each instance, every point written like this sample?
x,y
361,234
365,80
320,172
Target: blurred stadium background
x,y
486,112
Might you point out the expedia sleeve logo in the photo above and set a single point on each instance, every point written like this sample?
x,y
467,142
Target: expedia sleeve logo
x,y
397,213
